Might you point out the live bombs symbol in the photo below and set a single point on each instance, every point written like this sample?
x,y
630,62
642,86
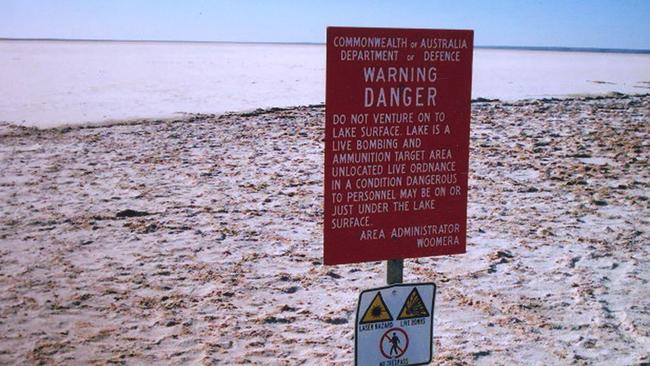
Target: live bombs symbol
x,y
413,307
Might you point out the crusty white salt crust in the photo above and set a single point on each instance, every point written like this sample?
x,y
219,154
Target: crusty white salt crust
x,y
200,242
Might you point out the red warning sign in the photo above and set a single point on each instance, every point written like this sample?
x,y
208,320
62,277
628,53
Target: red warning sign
x,y
396,143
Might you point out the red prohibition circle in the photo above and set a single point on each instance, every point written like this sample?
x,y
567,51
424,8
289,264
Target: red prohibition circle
x,y
402,350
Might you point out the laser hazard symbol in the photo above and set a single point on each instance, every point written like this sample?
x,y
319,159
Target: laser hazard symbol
x,y
394,325
376,312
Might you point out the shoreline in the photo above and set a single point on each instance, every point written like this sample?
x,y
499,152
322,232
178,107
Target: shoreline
x,y
191,117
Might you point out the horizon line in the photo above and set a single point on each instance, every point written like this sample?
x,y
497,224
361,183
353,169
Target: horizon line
x,y
497,47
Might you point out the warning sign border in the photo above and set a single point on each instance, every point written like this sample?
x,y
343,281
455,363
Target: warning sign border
x,y
356,319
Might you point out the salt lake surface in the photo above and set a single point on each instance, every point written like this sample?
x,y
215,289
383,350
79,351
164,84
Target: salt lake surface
x,y
53,83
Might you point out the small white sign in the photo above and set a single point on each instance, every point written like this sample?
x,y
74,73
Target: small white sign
x,y
394,325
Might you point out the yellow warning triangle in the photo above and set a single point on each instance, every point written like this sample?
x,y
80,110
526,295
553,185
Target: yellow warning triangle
x,y
413,307
376,312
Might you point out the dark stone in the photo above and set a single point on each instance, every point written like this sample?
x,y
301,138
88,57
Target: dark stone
x,y
288,308
132,213
274,320
290,290
334,275
335,321
479,354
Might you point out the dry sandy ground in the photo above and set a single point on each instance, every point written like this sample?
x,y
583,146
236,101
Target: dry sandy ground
x,y
223,265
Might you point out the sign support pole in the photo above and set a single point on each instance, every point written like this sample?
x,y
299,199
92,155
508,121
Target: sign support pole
x,y
394,271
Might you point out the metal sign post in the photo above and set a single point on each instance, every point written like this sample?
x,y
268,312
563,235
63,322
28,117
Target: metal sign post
x,y
394,271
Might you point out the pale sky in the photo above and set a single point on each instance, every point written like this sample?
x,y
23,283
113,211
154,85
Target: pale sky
x,y
559,23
